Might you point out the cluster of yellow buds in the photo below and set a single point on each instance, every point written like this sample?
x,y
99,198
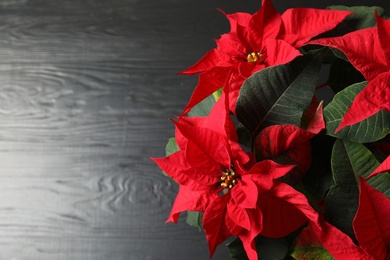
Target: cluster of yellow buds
x,y
253,57
228,179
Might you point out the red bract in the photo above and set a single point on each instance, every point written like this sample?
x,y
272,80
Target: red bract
x,y
371,223
288,144
217,177
255,42
368,50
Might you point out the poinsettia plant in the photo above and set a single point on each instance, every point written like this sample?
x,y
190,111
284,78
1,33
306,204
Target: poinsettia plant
x,y
264,164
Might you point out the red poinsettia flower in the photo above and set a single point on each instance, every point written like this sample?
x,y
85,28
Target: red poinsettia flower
x,y
238,196
368,50
371,227
255,42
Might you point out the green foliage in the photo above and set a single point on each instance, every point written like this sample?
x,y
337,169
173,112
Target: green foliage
x,y
171,146
194,219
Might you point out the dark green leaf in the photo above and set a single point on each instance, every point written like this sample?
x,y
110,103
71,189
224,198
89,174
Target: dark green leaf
x,y
339,54
194,219
318,179
236,250
342,200
363,17
371,129
342,74
279,94
267,248
244,136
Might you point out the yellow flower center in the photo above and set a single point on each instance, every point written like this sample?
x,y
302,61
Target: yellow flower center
x,y
229,179
253,57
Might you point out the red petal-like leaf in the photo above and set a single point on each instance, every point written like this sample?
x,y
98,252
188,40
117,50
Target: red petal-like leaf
x,y
212,144
313,118
245,193
229,46
239,215
234,83
238,18
177,167
264,24
284,210
214,223
312,22
263,173
371,223
384,167
190,200
363,50
280,52
207,62
248,236
374,97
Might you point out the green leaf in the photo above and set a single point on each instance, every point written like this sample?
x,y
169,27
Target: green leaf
x,y
363,17
342,74
306,246
171,146
194,219
279,94
363,163
311,252
217,94
349,161
204,107
267,248
371,129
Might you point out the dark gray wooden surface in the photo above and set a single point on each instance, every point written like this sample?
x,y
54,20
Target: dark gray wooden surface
x,y
86,90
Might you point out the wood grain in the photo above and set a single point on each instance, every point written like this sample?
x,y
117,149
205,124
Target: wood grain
x,y
86,90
